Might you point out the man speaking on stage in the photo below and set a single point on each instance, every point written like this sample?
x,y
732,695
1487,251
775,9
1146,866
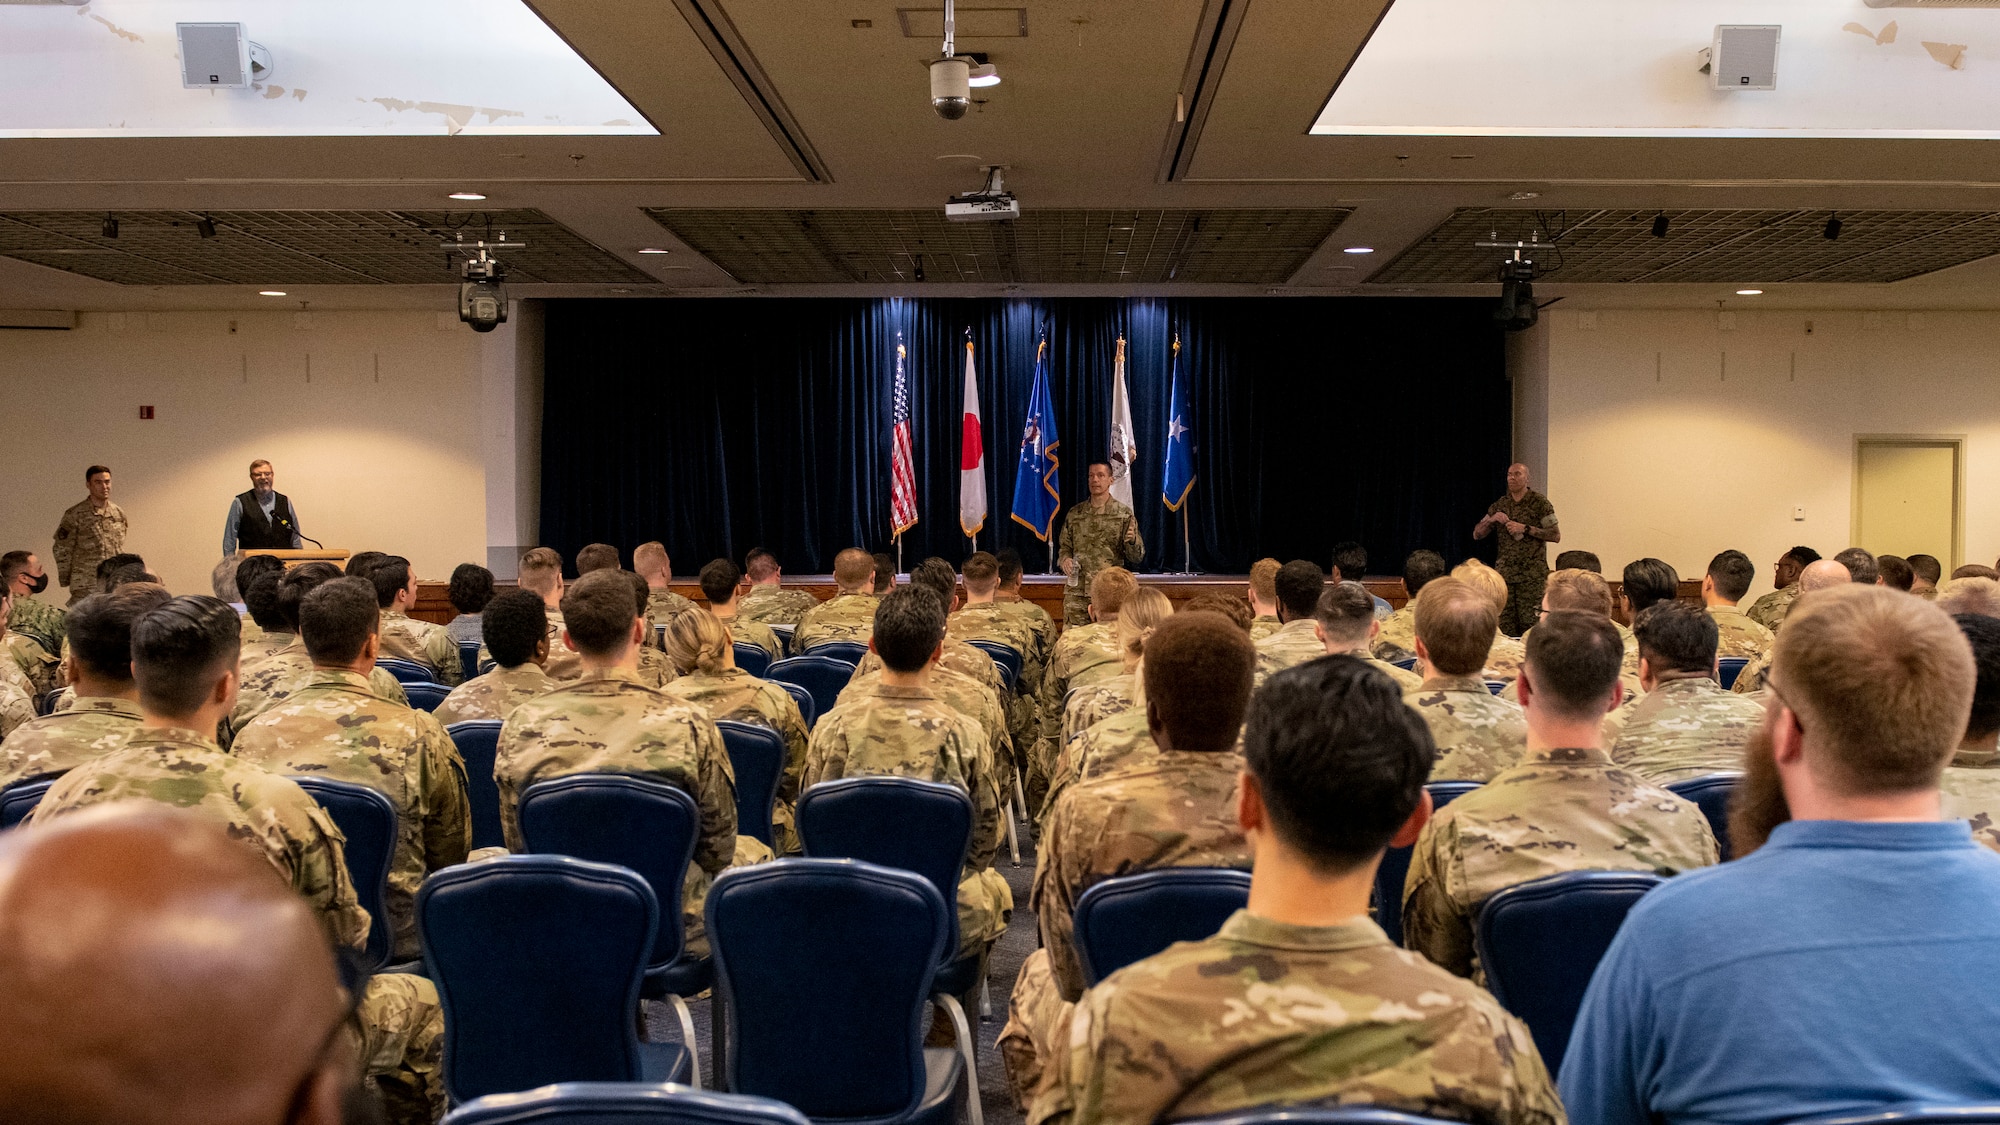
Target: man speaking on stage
x,y
262,518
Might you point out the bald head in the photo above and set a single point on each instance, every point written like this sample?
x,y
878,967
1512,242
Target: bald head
x,y
1822,574
853,570
155,972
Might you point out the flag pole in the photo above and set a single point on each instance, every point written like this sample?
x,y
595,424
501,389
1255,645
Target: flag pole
x,y
899,552
1187,554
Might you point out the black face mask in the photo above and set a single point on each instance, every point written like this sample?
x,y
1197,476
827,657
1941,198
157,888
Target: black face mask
x,y
37,583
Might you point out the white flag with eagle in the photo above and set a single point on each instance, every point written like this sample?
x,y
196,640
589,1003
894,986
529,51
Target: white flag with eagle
x,y
1121,450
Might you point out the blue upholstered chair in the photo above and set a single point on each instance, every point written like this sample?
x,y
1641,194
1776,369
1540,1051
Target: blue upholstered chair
x,y
1132,917
1539,942
45,703
538,960
1496,686
803,697
757,754
644,824
1006,656
1730,667
752,658
826,968
426,696
1315,1115
478,742
1407,664
1395,868
20,798
622,1103
406,671
853,652
1711,793
368,820
823,676
1914,1115
910,825
468,659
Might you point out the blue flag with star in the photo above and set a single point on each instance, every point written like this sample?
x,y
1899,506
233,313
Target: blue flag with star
x,y
1037,488
1179,479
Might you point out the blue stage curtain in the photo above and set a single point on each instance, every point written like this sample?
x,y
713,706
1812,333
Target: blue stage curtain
x,y
718,425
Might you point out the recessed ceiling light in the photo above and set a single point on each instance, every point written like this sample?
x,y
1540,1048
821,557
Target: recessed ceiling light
x,y
270,292
984,75
1359,250
654,250
621,290
1526,195
1749,292
468,196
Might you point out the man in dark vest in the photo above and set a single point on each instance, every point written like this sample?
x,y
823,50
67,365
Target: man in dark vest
x,y
262,518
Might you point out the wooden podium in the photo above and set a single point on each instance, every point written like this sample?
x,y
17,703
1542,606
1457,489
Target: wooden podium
x,y
293,558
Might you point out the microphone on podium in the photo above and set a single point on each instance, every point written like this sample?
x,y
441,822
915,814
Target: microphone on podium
x,y
287,525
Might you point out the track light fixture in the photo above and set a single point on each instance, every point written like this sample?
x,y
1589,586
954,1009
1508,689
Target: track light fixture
x,y
920,267
1660,225
1832,229
110,226
206,227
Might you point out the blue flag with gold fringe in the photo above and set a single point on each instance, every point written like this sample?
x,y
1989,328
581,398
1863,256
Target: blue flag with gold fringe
x,y
1179,479
1037,488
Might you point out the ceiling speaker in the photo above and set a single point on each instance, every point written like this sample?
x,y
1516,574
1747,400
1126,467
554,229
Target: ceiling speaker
x,y
1745,57
214,56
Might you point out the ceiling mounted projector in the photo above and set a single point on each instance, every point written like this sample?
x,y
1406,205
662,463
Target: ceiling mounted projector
x,y
989,204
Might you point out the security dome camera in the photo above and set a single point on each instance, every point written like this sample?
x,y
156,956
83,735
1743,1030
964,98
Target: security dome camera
x,y
951,86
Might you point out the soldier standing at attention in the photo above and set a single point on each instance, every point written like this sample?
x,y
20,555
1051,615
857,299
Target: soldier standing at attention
x,y
1100,533
1527,523
92,530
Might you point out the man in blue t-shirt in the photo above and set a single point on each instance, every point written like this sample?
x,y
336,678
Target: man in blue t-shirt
x,y
1845,963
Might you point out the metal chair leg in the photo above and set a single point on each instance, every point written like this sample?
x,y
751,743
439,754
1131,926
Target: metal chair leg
x,y
687,1036
1013,842
985,1000
966,1050
1020,799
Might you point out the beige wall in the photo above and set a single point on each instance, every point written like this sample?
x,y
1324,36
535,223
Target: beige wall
x,y
1672,437
373,420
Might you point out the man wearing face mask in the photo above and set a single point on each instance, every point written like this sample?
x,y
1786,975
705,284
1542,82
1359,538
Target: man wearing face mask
x,y
92,530
22,575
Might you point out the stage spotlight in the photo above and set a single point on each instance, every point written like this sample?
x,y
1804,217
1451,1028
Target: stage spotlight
x,y
1832,229
206,227
1516,311
1660,225
110,227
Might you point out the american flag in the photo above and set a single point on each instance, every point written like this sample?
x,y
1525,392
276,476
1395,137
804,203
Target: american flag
x,y
902,473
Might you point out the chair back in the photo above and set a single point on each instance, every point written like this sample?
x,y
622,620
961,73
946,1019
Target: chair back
x,y
20,799
1496,686
1914,1115
368,820
757,754
1539,943
478,742
1132,917
853,652
1710,793
426,696
468,659
1315,1115
1394,869
45,703
899,822
406,671
823,676
639,823
1005,656
803,699
1407,664
752,658
537,960
1730,667
825,968
784,637
623,1103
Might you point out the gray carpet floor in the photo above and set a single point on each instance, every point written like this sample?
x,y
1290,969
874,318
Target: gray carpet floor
x,y
1002,966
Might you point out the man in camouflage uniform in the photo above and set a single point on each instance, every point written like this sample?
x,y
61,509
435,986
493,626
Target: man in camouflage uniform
x,y
541,572
1504,659
1397,639
1008,597
1527,525
606,721
1817,575
1263,597
106,710
515,629
1586,591
1177,809
92,530
1083,654
1685,725
1476,733
265,682
767,602
404,637
901,728
1564,807
1100,532
983,618
1347,626
1299,584
719,582
1770,610
1971,781
21,576
336,727
1926,572
650,561
184,659
1728,579
850,613
1302,1000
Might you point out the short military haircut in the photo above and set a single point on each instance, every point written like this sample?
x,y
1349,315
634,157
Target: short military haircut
x,y
599,610
596,556
180,649
760,564
853,569
470,589
1579,560
250,570
540,571
1109,589
262,600
1421,568
1971,595
1804,556
1351,560
1299,584
1676,637
1732,572
1881,683
1897,574
1264,580
1579,590
94,470
1926,567
1647,582
361,562
646,557
1983,634
885,572
981,572
121,559
1199,671
297,583
125,576
1010,566
13,564
1345,611
1975,570
1340,760
719,580
337,619
222,579
1860,565
1485,580
642,594
1457,625
511,624
390,576
909,627
942,580
1573,659
99,628
1232,606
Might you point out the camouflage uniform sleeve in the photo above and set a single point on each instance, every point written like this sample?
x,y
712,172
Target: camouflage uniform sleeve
x,y
1433,923
717,797
441,653
1078,1093
983,781
792,726
1134,550
16,709
1064,540
822,754
1055,907
65,548
321,877
447,808
514,736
